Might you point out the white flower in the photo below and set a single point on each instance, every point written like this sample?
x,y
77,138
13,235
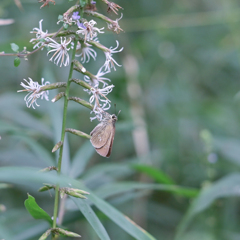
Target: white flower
x,y
34,89
94,81
101,102
61,51
114,26
109,63
85,52
88,30
40,36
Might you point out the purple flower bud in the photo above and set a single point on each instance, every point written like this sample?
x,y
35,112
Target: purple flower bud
x,y
75,16
93,2
81,25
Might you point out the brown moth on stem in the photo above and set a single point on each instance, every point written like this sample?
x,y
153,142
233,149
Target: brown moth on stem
x,y
102,135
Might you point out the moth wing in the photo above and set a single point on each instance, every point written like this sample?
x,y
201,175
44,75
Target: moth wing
x,y
100,135
106,150
112,138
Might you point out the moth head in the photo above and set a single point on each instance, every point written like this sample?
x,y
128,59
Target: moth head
x,y
114,118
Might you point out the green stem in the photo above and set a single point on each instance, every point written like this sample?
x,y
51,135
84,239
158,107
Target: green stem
x,y
55,213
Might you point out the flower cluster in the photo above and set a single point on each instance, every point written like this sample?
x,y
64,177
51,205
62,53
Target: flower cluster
x,y
60,51
41,36
59,47
88,30
34,92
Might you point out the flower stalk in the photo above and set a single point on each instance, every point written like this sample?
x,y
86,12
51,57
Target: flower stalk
x,y
56,202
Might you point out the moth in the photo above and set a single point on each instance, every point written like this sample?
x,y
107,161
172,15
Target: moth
x,y
102,135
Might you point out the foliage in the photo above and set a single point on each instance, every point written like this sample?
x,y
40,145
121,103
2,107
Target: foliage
x,y
174,163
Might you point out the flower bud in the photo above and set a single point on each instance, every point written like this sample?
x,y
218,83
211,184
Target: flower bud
x,y
50,168
58,96
75,193
57,146
45,235
46,187
78,133
66,233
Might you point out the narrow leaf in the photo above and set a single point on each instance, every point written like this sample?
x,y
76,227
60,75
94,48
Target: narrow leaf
x,y
225,187
120,219
117,188
156,174
92,218
81,159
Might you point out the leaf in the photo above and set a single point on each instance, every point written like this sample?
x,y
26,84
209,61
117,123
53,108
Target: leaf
x,y
92,218
17,61
81,159
14,47
83,3
225,187
35,210
120,219
117,188
229,147
39,151
156,174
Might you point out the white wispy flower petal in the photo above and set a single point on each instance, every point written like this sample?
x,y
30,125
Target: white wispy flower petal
x,y
110,61
34,92
88,30
61,51
98,78
101,102
85,52
40,36
114,26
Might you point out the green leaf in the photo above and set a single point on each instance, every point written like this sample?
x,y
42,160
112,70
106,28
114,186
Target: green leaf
x,y
40,152
92,218
118,188
83,3
81,159
14,47
17,61
226,187
120,219
156,174
35,210
65,26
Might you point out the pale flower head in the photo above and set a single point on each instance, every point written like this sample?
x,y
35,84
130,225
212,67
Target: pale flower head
x,y
98,78
110,61
34,92
60,51
101,102
113,7
88,30
69,19
114,26
40,36
85,51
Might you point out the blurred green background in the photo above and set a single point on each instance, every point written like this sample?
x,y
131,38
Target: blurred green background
x,y
178,92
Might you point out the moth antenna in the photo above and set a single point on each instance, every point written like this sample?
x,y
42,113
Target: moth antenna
x,y
115,108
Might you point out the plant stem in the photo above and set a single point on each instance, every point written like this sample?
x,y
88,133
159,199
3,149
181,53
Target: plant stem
x,y
63,135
